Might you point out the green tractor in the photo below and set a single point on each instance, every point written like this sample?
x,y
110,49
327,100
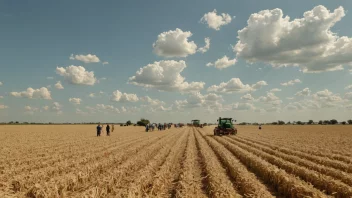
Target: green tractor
x,y
225,127
196,123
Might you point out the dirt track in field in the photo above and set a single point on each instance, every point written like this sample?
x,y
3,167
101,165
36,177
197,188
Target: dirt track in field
x,y
278,161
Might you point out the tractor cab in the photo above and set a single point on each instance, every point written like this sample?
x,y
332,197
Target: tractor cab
x,y
196,123
225,127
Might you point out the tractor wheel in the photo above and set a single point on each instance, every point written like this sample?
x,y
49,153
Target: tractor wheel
x,y
214,133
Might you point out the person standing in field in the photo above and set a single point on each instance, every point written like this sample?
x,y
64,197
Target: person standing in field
x,y
107,130
98,130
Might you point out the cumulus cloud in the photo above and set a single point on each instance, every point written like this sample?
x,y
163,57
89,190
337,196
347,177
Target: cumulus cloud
x,y
196,99
305,92
206,47
77,75
291,82
105,63
215,21
58,85
348,87
248,97
56,107
117,96
275,90
306,42
41,93
270,98
222,63
153,102
243,106
174,43
348,96
235,85
3,106
31,110
89,58
165,76
76,101
91,95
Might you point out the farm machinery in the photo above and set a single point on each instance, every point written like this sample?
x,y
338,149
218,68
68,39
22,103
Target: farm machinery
x,y
225,127
196,123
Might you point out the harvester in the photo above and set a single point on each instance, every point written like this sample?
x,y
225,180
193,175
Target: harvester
x,y
225,127
196,123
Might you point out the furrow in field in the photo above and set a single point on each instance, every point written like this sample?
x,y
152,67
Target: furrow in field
x,y
60,180
64,158
305,149
321,160
247,183
219,183
344,177
156,180
190,181
113,182
286,184
311,148
322,182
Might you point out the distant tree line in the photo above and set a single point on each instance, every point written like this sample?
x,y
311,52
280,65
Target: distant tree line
x,y
144,122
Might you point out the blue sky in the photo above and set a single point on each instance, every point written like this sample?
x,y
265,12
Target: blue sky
x,y
38,37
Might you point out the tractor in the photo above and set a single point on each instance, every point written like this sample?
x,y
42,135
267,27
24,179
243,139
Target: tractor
x,y
196,123
225,127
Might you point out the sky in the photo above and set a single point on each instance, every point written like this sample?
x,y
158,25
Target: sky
x,y
174,61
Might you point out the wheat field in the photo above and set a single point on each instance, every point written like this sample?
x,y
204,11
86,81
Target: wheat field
x,y
277,161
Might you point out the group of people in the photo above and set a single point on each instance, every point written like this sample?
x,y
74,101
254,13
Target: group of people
x,y
151,127
101,128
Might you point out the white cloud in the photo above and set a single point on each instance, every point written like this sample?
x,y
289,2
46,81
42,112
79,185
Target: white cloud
x,y
305,92
235,85
91,95
103,78
30,110
291,82
174,43
56,107
259,85
1,97
50,78
165,76
58,85
76,101
211,101
105,63
270,98
151,101
46,108
3,106
89,58
348,96
306,42
206,47
275,90
248,97
348,87
77,75
290,98
41,93
243,106
1,84
215,21
222,63
117,96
